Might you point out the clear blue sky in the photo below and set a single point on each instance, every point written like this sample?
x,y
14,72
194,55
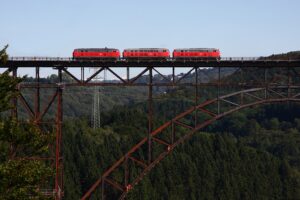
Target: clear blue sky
x,y
236,27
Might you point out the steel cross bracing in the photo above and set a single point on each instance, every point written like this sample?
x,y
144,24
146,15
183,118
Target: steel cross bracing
x,y
37,114
276,82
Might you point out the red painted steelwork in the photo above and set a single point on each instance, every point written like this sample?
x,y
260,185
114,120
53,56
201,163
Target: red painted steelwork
x,y
202,108
283,90
36,114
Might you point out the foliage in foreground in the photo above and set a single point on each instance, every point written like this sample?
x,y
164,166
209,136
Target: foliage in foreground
x,y
21,176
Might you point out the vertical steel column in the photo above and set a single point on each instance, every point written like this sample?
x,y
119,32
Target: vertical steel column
x,y
82,74
196,94
289,82
59,118
266,82
173,133
173,86
14,111
37,95
150,116
128,75
126,173
173,76
242,86
174,112
102,188
219,83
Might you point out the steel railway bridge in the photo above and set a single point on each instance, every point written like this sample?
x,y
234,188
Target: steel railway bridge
x,y
260,81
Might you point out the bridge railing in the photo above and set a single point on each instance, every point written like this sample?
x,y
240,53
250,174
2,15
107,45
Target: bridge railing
x,y
240,58
37,58
41,58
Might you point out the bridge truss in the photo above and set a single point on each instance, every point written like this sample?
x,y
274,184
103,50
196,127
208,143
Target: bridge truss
x,y
274,81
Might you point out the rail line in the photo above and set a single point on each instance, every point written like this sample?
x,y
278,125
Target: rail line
x,y
55,62
43,58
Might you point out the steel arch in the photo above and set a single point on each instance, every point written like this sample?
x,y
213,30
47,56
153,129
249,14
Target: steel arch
x,y
242,99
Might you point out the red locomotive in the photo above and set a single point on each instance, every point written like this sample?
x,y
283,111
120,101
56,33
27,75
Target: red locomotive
x,y
97,53
196,53
146,53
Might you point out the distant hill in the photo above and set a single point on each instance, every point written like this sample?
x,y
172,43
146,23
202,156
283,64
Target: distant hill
x,y
292,55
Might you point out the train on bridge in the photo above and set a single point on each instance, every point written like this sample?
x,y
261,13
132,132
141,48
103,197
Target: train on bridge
x,y
147,54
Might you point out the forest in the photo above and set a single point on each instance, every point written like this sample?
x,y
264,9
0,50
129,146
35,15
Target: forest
x,y
253,154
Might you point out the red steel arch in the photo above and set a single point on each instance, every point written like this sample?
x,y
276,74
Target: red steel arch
x,y
211,110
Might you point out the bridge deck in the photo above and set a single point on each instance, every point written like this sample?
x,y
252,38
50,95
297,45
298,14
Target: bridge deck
x,y
224,62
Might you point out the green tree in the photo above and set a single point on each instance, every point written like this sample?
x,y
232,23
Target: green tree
x,y
8,90
274,124
21,176
3,55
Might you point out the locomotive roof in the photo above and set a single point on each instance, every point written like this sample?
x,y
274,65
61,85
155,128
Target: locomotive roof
x,y
195,49
97,49
141,49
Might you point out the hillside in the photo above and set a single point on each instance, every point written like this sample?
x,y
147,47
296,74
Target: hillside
x,y
253,154
292,55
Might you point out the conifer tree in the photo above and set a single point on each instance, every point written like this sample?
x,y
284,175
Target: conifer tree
x,y
21,177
